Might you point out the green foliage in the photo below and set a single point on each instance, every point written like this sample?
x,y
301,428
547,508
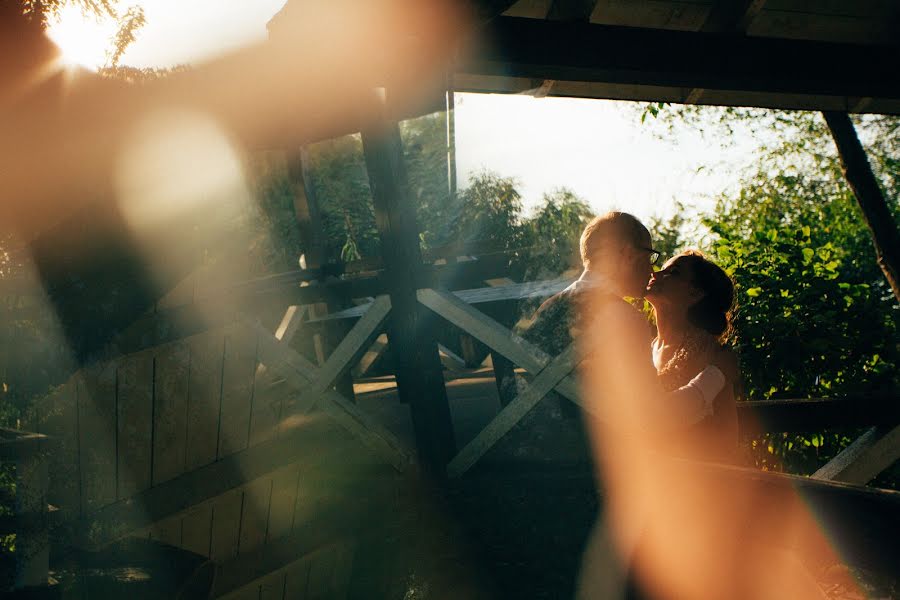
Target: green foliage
x,y
489,210
425,154
816,317
128,25
553,233
669,235
338,181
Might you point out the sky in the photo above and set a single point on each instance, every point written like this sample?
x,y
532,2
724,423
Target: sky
x,y
597,148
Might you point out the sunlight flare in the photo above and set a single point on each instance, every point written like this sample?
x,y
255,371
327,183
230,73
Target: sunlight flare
x,y
84,40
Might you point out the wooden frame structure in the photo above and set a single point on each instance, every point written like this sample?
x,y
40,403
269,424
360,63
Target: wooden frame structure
x,y
137,450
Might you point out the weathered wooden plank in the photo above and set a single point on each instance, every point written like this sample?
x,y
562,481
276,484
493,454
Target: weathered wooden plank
x,y
321,570
226,523
494,335
248,592
271,587
97,436
309,442
134,439
485,295
267,408
532,9
284,498
831,28
287,362
170,406
58,418
369,431
375,351
686,16
864,459
343,568
238,371
255,514
296,579
196,529
204,394
513,412
336,521
167,531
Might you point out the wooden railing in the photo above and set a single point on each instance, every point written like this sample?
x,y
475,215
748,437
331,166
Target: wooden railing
x,y
191,434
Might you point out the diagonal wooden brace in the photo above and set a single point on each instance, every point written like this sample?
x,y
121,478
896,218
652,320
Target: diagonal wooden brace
x,y
863,460
547,379
495,336
314,383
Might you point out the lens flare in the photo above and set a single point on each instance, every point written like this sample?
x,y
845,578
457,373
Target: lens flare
x,y
174,163
84,41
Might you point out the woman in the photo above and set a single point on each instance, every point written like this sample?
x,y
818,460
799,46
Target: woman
x,y
693,300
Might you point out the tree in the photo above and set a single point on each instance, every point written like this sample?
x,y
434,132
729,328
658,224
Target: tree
x,y
816,317
489,210
553,234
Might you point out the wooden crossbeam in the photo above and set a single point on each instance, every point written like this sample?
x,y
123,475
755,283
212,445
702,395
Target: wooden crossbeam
x,y
350,349
314,383
375,351
732,16
494,335
863,460
282,359
285,332
512,413
581,52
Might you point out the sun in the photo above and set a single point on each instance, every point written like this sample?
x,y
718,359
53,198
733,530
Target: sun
x,y
84,40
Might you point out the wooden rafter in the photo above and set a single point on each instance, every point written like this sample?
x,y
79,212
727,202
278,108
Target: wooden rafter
x,y
494,335
580,52
571,10
730,17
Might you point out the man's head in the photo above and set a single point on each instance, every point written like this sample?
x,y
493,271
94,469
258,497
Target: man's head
x,y
618,246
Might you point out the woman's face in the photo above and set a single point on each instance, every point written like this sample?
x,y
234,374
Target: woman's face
x,y
672,285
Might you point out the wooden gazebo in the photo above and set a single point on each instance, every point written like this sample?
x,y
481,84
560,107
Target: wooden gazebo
x,y
223,434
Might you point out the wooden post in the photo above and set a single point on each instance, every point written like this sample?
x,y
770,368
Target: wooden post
x,y
420,379
869,196
312,231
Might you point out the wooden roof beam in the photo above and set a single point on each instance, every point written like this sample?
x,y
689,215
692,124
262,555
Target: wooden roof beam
x,y
732,16
727,16
584,52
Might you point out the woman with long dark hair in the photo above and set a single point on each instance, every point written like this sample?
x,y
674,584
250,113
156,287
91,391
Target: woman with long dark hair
x,y
693,301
